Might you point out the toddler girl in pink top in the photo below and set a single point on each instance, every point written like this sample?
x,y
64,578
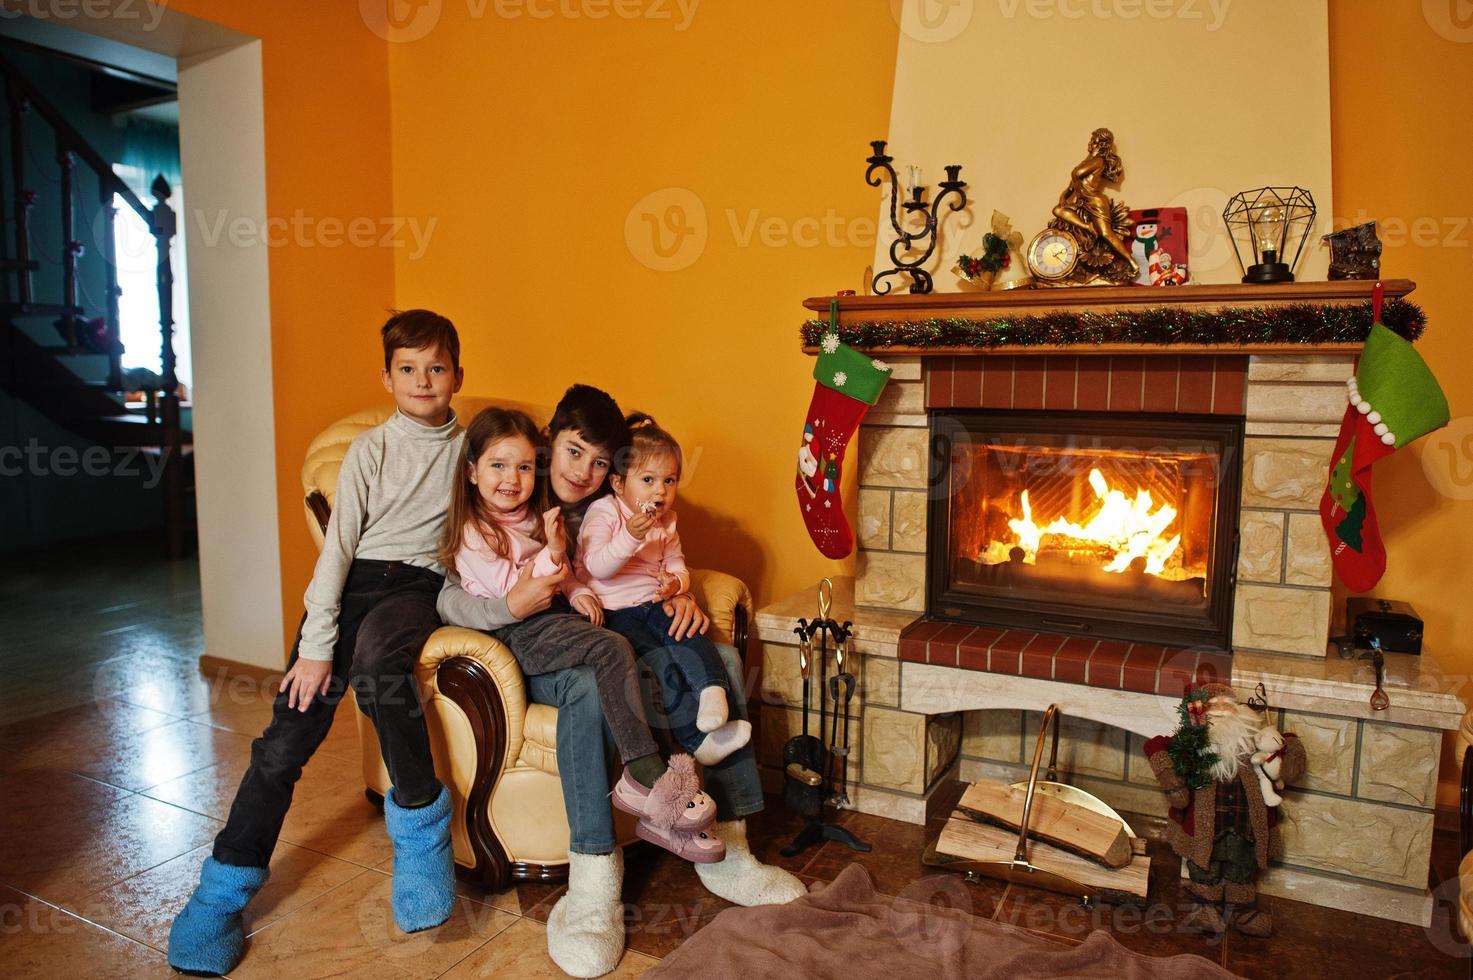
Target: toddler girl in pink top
x,y
629,554
493,534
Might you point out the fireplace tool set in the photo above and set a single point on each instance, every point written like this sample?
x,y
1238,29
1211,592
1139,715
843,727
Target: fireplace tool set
x,y
810,762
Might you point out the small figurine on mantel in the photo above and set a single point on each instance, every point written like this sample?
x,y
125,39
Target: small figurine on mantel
x,y
1221,771
1355,253
1089,239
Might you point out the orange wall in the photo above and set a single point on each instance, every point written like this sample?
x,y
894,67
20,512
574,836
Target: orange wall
x,y
530,140
326,90
1401,143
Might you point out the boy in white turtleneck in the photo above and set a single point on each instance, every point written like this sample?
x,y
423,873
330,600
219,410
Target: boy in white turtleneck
x,y
370,609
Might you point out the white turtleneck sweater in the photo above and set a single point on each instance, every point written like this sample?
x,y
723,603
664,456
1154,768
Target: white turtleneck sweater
x,y
392,495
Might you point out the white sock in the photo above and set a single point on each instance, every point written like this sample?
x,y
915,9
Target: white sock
x,y
723,742
585,933
711,713
743,880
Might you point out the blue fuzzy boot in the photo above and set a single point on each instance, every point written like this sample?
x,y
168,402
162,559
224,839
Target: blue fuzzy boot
x,y
424,867
207,936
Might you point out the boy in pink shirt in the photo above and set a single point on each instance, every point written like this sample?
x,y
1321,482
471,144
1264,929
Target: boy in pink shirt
x,y
629,554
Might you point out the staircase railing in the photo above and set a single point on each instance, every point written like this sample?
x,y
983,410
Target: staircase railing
x,y
71,148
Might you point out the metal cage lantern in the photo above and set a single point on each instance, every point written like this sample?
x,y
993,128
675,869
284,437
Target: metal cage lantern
x,y
1273,221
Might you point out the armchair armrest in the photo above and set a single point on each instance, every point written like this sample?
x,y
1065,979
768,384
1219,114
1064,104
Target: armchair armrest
x,y
492,674
728,602
479,675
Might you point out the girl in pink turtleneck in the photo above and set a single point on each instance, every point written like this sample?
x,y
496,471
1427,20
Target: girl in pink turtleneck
x,y
629,554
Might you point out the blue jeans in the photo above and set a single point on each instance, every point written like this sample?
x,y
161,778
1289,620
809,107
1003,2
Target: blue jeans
x,y
583,755
682,668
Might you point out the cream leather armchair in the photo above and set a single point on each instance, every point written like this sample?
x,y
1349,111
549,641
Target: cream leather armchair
x,y
495,751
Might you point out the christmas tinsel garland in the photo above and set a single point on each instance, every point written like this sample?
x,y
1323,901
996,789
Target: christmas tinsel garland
x,y
1300,323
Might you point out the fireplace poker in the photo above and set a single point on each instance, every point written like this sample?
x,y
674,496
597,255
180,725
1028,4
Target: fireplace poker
x,y
841,685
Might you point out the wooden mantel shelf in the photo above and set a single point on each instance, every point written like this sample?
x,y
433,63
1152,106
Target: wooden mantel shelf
x,y
905,308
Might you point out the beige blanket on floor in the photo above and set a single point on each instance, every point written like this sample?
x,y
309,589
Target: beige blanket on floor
x,y
846,931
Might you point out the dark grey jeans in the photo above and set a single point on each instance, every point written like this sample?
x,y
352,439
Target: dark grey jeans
x,y
553,641
387,614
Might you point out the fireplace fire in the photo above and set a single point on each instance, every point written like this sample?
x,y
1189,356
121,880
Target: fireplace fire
x,y
1090,524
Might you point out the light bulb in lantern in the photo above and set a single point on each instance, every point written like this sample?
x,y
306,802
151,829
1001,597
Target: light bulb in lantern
x,y
1265,219
1268,233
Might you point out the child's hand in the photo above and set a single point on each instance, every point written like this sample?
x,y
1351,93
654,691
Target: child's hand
x,y
557,538
589,609
532,593
640,524
305,681
669,585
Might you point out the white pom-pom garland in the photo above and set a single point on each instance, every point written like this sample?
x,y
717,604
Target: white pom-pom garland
x,y
1373,417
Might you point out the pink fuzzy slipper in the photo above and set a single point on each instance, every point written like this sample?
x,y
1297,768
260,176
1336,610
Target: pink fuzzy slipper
x,y
698,847
674,803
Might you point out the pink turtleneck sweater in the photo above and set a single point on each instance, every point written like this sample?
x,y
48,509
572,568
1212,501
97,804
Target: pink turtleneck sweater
x,y
620,569
487,575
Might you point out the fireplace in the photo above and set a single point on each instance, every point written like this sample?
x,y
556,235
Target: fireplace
x,y
951,651
1097,524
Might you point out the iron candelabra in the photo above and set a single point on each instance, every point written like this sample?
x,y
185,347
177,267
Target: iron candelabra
x,y
906,242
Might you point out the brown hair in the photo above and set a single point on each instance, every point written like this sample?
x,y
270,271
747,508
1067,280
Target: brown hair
x,y
594,415
646,439
418,330
491,425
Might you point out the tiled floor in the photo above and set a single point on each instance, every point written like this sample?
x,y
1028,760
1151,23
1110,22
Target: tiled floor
x,y
118,761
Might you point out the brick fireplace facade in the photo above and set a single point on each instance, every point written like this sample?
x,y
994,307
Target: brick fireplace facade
x,y
1292,405
940,701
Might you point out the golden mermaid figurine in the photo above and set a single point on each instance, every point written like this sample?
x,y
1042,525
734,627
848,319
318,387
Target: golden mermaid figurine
x,y
1102,226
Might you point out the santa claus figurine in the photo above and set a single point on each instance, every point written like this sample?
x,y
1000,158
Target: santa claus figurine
x,y
1219,822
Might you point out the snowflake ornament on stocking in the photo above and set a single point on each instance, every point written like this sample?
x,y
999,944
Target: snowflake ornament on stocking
x,y
848,383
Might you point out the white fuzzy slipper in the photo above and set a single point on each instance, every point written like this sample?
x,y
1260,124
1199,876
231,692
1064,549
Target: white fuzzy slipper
x,y
742,879
585,933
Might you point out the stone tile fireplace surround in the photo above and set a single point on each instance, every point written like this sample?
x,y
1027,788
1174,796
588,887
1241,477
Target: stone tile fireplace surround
x,y
943,700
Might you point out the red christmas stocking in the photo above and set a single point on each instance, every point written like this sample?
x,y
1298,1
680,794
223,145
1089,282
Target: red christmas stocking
x,y
1394,399
848,384
1356,548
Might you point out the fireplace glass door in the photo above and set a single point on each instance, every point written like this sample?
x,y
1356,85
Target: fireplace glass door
x,y
1100,524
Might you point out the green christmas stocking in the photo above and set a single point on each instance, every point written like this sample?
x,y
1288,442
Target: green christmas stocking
x,y
1394,400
